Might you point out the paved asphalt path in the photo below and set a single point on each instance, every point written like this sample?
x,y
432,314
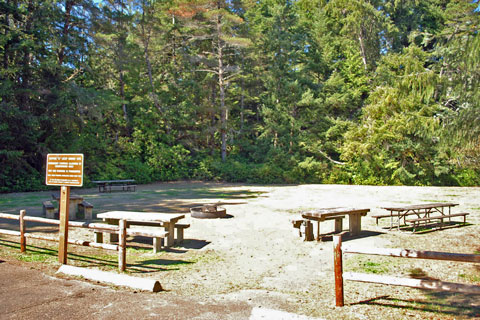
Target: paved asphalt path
x,y
30,294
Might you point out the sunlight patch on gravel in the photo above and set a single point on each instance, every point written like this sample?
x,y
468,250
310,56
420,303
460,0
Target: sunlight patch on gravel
x,y
263,313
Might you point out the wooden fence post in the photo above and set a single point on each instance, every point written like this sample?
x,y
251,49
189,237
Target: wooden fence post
x,y
338,267
23,242
122,245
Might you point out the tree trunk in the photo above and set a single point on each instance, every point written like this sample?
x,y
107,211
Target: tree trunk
x,y
212,119
26,74
6,49
242,100
362,50
66,27
122,95
221,84
146,53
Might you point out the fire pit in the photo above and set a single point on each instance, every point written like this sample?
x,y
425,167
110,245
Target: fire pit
x,y
208,212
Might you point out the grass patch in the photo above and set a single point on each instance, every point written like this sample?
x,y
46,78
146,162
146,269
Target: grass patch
x,y
33,254
373,267
204,193
417,273
380,265
7,201
33,257
138,250
473,278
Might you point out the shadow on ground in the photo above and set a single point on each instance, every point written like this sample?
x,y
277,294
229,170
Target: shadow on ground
x,y
107,260
438,302
347,237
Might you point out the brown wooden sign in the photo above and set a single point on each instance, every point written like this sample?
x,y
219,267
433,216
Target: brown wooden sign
x,y
64,170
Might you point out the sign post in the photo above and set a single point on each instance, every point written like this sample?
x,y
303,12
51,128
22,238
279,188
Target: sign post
x,y
63,230
64,170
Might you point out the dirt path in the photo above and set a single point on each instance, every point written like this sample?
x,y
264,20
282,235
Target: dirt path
x,y
256,258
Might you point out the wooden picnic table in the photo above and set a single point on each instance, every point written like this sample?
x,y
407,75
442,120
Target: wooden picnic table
x,y
421,211
107,185
323,214
73,208
166,220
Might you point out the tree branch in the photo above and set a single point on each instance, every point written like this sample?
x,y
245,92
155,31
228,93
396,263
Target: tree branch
x,y
330,159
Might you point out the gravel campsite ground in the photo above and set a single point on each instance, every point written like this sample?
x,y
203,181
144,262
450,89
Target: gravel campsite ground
x,y
254,257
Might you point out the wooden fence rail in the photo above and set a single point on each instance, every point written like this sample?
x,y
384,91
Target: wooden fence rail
x,y
99,227
340,249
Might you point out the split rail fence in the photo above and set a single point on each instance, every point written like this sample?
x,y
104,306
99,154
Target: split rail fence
x,y
438,285
98,227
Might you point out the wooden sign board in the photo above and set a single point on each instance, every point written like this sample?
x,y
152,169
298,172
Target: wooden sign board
x,y
64,170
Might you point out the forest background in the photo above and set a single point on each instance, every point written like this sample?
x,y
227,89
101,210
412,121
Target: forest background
x,y
258,91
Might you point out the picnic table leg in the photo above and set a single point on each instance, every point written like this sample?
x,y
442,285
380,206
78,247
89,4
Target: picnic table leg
x,y
72,210
170,228
338,225
98,237
309,231
113,237
318,231
355,223
157,244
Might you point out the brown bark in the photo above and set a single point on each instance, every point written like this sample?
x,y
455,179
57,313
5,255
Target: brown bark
x,y
221,84
65,31
146,34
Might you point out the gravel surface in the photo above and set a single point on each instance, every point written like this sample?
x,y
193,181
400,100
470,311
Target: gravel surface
x,y
254,263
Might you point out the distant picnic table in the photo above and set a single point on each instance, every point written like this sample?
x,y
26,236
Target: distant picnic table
x,y
422,213
77,205
122,184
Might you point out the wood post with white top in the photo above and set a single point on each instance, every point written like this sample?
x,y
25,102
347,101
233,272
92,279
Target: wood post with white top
x,y
122,244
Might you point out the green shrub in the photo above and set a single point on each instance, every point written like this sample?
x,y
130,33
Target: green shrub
x,y
202,170
16,174
169,163
468,178
309,170
233,170
268,173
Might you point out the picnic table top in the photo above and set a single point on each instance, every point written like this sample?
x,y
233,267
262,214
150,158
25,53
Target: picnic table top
x,y
333,211
142,216
113,181
56,196
422,206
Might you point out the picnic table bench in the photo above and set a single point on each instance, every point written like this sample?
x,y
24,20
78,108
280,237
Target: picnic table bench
x,y
156,234
108,185
420,213
417,222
